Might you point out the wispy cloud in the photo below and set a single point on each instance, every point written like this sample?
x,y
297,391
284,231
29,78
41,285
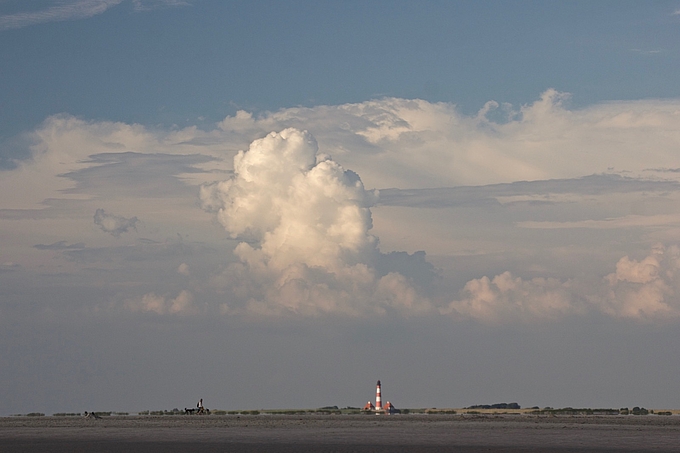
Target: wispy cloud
x,y
73,10
147,5
77,9
630,221
647,52
61,245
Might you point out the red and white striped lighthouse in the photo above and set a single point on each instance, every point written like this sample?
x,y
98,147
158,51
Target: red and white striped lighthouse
x,y
378,398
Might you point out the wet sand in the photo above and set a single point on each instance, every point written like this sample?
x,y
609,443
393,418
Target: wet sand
x,y
342,433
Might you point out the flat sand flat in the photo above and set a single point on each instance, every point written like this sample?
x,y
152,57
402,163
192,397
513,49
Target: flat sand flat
x,y
342,433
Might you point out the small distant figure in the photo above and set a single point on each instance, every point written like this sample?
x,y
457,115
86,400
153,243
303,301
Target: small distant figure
x,y
199,405
91,415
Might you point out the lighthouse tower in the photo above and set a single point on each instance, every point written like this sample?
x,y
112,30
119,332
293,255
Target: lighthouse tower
x,y
378,398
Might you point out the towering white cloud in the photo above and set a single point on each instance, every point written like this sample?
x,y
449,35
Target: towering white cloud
x,y
309,221
303,207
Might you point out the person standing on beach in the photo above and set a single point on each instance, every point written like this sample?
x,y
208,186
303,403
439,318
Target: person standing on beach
x,y
199,405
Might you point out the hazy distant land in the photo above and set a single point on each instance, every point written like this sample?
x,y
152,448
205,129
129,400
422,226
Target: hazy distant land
x,y
489,409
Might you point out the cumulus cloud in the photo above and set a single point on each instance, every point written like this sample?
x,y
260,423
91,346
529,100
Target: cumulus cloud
x,y
304,222
303,207
392,143
114,224
644,290
163,305
64,147
508,298
408,143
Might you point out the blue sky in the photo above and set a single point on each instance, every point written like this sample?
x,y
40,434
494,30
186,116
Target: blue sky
x,y
175,65
422,193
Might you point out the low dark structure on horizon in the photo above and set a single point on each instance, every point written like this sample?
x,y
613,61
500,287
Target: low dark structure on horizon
x,y
496,406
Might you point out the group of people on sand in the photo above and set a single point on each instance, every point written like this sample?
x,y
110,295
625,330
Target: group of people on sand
x,y
199,410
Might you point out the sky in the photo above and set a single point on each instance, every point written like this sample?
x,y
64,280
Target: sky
x,y
276,204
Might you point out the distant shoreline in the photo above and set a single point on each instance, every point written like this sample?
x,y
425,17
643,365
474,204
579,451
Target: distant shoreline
x,y
357,411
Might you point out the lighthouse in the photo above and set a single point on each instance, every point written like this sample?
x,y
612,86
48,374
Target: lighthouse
x,y
378,398
379,409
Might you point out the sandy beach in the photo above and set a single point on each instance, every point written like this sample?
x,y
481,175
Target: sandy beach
x,y
342,433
